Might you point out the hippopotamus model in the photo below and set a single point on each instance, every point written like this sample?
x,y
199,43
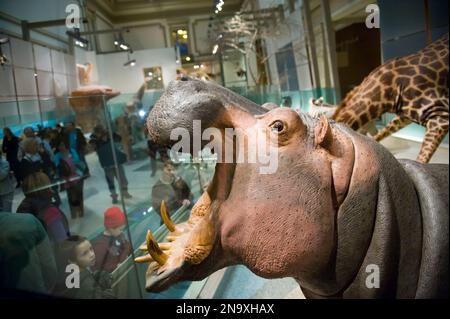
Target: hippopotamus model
x,y
341,215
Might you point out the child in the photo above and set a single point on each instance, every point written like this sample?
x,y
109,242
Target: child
x,y
111,247
93,284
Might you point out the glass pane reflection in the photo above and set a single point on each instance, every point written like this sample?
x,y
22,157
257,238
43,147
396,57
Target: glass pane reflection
x,y
85,202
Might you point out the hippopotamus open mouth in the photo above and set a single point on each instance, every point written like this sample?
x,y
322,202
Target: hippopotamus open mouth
x,y
313,218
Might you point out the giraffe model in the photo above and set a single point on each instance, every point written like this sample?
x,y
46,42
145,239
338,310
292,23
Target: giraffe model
x,y
414,87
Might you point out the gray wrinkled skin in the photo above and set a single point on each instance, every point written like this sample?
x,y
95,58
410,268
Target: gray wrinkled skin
x,y
431,183
198,98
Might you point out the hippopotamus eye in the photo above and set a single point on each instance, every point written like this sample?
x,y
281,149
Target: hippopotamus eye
x,y
277,126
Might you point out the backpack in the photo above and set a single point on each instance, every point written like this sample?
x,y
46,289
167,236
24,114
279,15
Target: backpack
x,y
64,169
28,166
39,211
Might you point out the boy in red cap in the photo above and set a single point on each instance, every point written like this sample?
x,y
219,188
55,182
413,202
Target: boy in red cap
x,y
111,247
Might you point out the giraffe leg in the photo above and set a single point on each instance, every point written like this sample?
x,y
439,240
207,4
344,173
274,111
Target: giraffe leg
x,y
372,128
393,126
369,128
436,131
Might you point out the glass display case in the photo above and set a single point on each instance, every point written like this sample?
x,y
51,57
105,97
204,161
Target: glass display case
x,y
132,193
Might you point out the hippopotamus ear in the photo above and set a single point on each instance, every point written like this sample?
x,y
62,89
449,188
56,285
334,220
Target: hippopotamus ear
x,y
322,132
342,154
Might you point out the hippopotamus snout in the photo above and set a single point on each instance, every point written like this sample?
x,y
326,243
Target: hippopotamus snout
x,y
188,100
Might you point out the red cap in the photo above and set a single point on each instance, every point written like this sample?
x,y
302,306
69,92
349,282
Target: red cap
x,y
114,217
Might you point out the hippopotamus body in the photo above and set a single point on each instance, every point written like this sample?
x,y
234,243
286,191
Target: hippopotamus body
x,y
340,214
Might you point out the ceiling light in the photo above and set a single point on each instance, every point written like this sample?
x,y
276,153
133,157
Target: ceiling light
x,y
130,63
150,73
216,12
75,33
180,32
188,58
216,47
185,36
116,42
202,66
196,66
80,44
159,78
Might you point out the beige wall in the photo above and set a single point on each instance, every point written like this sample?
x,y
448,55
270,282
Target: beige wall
x,y
128,79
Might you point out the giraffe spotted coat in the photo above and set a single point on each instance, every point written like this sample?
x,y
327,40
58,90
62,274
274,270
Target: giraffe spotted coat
x,y
414,87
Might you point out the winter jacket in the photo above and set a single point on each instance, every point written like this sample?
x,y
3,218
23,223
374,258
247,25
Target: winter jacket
x,y
10,148
51,217
7,181
31,164
93,285
26,256
110,251
76,141
74,164
105,152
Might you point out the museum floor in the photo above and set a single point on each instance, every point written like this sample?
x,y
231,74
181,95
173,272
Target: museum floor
x,y
402,148
241,282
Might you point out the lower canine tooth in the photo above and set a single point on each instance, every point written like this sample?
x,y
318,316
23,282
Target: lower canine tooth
x,y
171,238
166,218
143,259
163,246
154,250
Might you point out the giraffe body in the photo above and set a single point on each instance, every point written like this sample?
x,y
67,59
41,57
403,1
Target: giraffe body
x,y
414,87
